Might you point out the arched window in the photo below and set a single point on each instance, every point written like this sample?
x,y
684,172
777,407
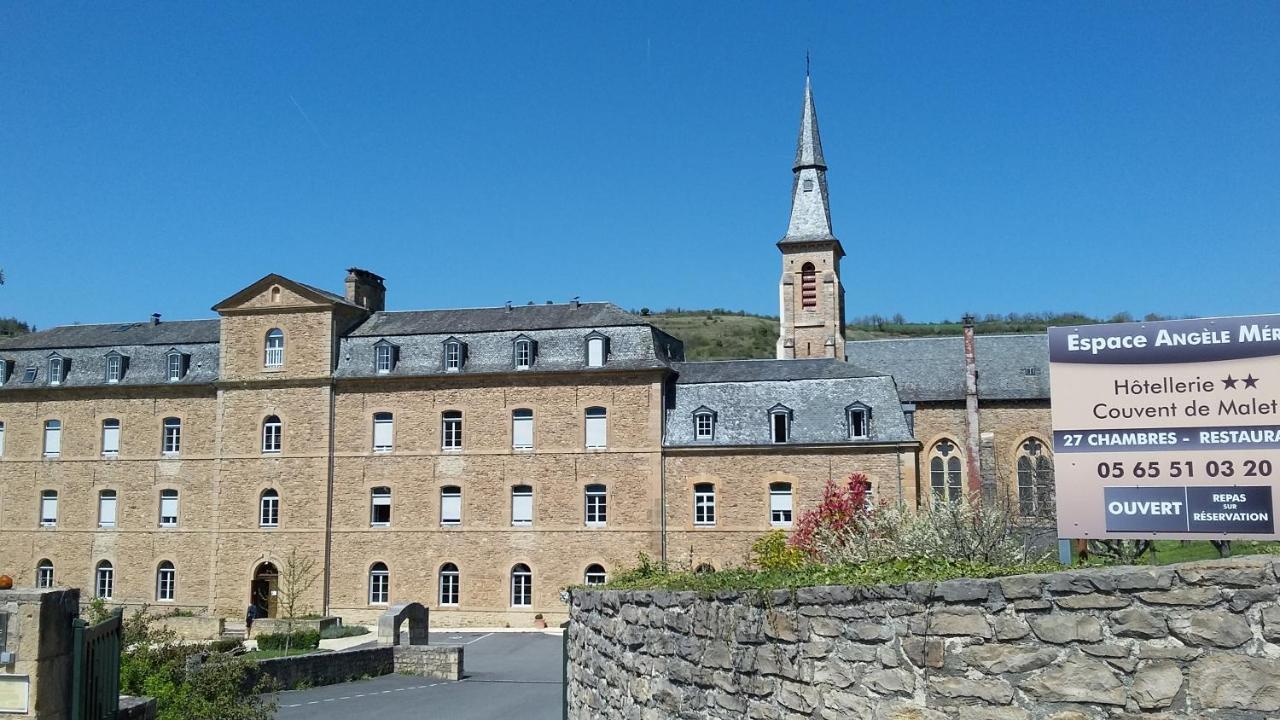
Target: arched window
x,y
1035,478
104,581
449,584
780,504
597,424
597,349
272,432
171,436
269,509
521,586
380,507
704,504
274,355
166,582
704,424
808,286
595,575
780,423
522,353
379,584
597,505
946,472
44,574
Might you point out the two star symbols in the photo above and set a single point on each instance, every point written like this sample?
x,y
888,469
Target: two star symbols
x,y
1249,382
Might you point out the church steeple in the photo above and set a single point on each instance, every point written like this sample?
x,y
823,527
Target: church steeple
x,y
811,298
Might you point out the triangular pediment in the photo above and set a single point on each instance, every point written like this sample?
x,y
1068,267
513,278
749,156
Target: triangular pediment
x,y
277,291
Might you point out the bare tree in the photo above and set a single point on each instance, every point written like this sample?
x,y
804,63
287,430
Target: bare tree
x,y
298,574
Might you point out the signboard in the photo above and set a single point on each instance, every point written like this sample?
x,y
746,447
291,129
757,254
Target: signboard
x,y
1167,429
4,630
15,692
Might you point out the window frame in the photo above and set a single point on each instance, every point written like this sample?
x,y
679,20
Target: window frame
x,y
110,452
113,372
379,497
946,472
52,430
104,571
273,496
454,491
522,418
704,504
384,351
597,570
595,498
454,355
780,413
379,584
593,340
781,517
103,497
166,579
854,410
453,583
386,420
169,494
601,422
44,574
707,416
519,493
272,430
273,349
1,438
171,436
451,437
175,365
57,369
48,499
522,348
521,586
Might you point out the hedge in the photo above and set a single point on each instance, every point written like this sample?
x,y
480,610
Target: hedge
x,y
299,639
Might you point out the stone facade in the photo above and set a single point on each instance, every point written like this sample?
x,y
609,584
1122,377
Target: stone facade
x,y
38,639
1190,642
441,662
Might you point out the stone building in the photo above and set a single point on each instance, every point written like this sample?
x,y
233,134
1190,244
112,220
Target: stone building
x,y
476,460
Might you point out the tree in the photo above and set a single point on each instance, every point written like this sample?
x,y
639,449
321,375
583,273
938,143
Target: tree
x,y
298,574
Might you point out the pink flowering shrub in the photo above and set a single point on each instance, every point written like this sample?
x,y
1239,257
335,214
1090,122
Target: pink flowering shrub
x,y
843,514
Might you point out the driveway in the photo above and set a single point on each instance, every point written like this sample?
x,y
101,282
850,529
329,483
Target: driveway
x,y
507,675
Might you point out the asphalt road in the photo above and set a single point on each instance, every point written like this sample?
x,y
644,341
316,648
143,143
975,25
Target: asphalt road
x,y
507,675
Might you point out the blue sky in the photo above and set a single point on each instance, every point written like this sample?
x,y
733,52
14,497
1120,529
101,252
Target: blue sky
x,y
988,158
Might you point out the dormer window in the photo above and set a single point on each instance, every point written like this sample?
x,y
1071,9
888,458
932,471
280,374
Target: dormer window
x,y
780,423
522,352
384,357
29,375
455,354
704,424
5,365
273,355
597,349
859,417
176,365
57,369
114,371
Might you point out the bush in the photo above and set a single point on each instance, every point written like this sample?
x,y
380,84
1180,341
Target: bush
x,y
773,552
226,645
298,640
341,631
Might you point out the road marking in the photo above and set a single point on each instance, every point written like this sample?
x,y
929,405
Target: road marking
x,y
478,639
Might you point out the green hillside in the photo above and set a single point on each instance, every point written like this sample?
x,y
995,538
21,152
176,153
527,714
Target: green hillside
x,y
720,334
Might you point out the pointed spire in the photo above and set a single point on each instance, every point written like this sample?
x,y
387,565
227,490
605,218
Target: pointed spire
x,y
809,143
810,213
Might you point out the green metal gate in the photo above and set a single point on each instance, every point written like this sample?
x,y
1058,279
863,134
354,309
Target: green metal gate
x,y
95,677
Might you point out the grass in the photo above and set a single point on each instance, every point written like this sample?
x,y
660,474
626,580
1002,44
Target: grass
x,y
342,631
1174,551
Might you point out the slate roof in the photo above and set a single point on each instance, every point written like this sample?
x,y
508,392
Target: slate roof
x,y
144,365
558,331
1010,367
116,334
742,392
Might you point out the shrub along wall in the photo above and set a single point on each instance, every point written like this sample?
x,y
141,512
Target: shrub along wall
x,y
1195,641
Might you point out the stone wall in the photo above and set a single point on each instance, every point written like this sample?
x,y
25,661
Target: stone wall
x,y
1195,641
442,662
38,637
196,627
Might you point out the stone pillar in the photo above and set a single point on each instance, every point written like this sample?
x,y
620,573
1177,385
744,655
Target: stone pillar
x,y
36,642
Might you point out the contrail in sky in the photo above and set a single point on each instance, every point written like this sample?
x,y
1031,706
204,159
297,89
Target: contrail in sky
x,y
314,129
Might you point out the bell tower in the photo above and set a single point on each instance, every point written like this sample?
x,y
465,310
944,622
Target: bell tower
x,y
811,299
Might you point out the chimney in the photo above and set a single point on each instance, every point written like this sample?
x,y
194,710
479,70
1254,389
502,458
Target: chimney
x,y
155,318
973,464
575,303
508,306
366,290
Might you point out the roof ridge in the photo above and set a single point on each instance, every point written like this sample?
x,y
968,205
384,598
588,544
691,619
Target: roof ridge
x,y
504,307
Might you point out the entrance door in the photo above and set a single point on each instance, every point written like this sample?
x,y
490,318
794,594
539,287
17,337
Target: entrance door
x,y
262,591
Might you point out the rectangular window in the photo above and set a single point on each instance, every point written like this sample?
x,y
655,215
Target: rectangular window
x,y
703,426
597,505
272,430
704,504
450,506
451,430
171,438
781,427
522,429
380,507
113,368
379,587
106,582
452,356
521,588
49,508
449,587
52,438
269,510
857,424
29,375
107,509
175,366
168,508
55,371
382,358
595,352
1,439
780,504
522,505
110,437
597,420
383,431
44,576
524,355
